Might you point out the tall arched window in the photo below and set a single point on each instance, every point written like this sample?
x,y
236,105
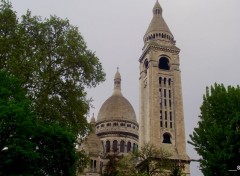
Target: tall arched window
x,y
129,146
122,144
167,138
135,148
164,63
95,164
169,81
108,146
115,144
146,64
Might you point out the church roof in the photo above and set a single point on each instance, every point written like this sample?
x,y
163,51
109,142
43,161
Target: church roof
x,y
158,24
116,107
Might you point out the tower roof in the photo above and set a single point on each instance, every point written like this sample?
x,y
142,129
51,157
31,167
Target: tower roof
x,y
158,24
116,107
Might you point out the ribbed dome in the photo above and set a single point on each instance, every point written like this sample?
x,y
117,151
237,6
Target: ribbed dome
x,y
116,107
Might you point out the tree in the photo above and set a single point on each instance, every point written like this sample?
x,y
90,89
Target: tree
x,y
217,137
28,146
52,59
112,164
127,165
153,160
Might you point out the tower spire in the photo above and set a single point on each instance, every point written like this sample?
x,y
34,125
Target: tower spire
x,y
157,9
158,28
117,83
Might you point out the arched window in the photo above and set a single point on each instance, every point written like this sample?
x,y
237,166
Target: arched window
x,y
169,82
122,144
146,63
167,138
164,81
160,81
135,148
164,63
95,164
114,147
129,146
108,146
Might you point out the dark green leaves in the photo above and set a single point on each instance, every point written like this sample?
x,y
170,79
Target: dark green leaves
x,y
217,137
51,58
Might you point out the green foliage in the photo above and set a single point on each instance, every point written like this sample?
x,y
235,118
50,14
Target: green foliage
x,y
28,146
112,164
148,161
52,59
154,160
217,137
127,165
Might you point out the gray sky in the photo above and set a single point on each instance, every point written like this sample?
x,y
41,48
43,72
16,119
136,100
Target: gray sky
x,y
206,31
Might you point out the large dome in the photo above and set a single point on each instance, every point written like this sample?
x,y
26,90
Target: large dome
x,y
116,107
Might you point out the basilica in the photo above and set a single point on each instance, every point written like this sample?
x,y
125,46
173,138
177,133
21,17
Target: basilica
x,y
161,118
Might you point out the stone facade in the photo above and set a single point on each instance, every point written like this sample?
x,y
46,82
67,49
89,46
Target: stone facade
x,y
161,118
115,132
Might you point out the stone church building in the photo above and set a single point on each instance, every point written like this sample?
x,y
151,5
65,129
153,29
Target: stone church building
x,y
161,118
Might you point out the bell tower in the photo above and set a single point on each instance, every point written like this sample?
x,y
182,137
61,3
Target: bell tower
x,y
161,118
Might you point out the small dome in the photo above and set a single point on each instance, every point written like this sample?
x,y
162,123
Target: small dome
x,y
93,145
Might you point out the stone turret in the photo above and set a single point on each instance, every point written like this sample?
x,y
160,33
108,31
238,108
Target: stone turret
x,y
158,28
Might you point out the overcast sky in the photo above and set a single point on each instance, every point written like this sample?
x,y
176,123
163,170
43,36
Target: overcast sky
x,y
206,31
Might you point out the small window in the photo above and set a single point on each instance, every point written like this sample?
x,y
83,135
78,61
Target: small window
x,y
146,63
102,125
135,147
128,125
108,124
165,93
122,124
115,124
164,81
122,145
95,164
129,146
167,138
169,93
160,81
169,82
115,144
161,125
108,146
91,164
